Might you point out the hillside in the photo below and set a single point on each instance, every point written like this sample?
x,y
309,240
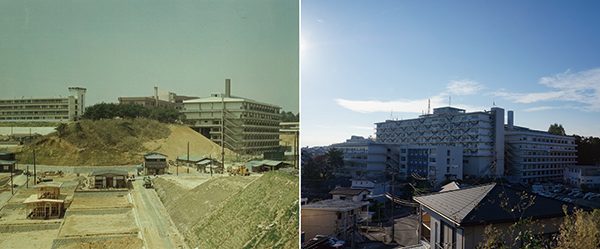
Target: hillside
x,y
236,212
114,142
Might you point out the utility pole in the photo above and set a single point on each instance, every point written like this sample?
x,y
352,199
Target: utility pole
x,y
211,165
34,170
222,134
12,185
393,220
27,174
188,156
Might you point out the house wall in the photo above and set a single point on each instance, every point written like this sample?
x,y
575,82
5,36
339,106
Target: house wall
x,y
326,222
472,236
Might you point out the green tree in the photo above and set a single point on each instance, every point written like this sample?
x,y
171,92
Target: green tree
x,y
556,129
580,230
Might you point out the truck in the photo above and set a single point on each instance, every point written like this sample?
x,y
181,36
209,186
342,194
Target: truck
x,y
147,182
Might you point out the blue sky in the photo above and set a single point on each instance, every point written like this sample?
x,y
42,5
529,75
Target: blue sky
x,y
367,61
126,47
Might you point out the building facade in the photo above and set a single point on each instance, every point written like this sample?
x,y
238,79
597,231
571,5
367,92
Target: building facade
x,y
355,150
333,217
583,176
59,109
434,163
242,125
481,135
537,156
173,101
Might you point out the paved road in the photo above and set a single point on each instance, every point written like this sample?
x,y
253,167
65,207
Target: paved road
x,y
76,169
157,228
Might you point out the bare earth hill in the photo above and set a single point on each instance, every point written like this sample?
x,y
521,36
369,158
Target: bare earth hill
x,y
236,212
115,142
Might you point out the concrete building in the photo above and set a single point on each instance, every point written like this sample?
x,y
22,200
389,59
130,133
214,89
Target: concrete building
x,y
250,127
480,134
537,156
172,100
289,140
47,203
58,109
377,186
457,218
356,150
583,176
435,163
331,217
353,194
108,178
155,163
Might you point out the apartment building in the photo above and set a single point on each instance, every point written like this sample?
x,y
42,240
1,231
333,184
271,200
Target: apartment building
x,y
57,109
355,150
537,156
583,176
480,134
244,125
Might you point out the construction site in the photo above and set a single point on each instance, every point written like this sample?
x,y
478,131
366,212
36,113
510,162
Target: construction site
x,y
143,184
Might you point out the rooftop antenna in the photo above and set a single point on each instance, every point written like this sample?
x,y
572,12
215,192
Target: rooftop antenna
x,y
428,106
493,102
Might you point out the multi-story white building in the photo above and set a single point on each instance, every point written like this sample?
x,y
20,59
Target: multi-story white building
x,y
583,175
480,134
435,163
250,127
355,152
537,156
59,109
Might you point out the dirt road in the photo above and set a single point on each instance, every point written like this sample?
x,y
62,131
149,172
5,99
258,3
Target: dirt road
x,y
157,229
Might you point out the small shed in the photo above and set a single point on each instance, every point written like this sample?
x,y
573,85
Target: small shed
x,y
155,163
7,162
47,203
265,165
108,178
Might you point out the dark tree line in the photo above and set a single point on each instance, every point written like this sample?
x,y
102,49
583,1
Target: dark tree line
x,y
323,166
588,148
111,110
289,117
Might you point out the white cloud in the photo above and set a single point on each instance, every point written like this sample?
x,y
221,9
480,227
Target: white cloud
x,y
581,87
459,87
540,108
463,87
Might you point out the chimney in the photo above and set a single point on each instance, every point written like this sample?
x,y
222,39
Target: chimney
x,y
227,87
156,96
510,119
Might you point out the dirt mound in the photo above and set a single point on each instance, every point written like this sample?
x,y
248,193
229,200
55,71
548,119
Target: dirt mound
x,y
236,212
114,142
176,144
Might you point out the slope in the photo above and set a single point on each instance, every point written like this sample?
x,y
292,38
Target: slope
x,y
236,212
112,142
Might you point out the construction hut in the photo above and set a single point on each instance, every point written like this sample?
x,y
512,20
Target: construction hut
x,y
265,165
155,163
47,203
108,178
7,162
205,164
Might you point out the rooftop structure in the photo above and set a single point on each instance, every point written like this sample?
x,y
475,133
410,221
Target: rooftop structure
x,y
243,125
54,109
354,194
481,135
172,101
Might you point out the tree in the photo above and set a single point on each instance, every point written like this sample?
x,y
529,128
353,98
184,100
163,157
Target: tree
x,y
588,150
289,117
580,230
557,129
335,159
